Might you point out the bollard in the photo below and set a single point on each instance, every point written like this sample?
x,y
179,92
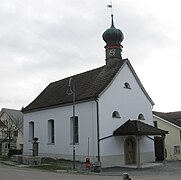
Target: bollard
x,y
96,167
87,163
126,176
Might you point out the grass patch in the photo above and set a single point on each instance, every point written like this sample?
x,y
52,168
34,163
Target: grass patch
x,y
50,167
57,164
4,158
51,164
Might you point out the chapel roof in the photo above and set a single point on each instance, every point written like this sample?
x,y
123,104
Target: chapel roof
x,y
88,85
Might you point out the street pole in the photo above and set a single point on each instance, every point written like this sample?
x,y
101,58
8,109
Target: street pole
x,y
72,92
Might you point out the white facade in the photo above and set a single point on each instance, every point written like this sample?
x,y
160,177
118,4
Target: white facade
x,y
129,102
62,148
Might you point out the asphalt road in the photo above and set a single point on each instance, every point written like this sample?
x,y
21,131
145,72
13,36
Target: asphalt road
x,y
17,173
167,171
170,171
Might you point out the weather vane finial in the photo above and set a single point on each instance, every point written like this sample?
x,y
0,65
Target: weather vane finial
x,y
110,6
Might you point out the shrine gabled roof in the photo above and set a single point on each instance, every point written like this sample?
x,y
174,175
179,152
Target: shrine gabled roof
x,y
88,85
136,127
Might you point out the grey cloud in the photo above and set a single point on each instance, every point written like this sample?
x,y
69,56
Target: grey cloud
x,y
43,41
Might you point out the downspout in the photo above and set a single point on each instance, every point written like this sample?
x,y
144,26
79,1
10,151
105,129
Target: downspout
x,y
98,139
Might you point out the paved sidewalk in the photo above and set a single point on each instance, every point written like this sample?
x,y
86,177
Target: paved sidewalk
x,y
171,168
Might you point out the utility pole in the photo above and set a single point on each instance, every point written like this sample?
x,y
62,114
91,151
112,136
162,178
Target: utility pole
x,y
71,91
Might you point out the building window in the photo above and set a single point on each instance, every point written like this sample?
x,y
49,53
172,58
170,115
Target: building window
x,y
127,85
115,114
16,133
74,130
176,149
155,124
51,131
141,117
31,130
7,146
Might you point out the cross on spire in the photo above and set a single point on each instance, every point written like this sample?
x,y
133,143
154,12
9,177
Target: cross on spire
x,y
113,38
111,7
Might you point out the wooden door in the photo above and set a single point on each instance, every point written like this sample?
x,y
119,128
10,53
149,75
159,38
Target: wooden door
x,y
130,151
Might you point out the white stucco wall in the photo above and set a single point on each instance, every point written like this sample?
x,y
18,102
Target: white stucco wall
x,y
62,148
129,103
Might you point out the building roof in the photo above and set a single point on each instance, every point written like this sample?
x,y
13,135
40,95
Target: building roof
x,y
88,85
135,127
172,117
113,36
15,115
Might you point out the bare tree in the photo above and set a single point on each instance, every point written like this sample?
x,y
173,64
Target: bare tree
x,y
9,132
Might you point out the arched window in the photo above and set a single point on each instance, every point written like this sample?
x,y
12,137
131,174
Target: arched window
x,y
141,117
115,114
127,85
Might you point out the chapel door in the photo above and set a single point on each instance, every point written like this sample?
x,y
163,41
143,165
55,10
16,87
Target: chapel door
x,y
130,151
159,154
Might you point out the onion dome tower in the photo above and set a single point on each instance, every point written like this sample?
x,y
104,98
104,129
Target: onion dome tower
x,y
113,38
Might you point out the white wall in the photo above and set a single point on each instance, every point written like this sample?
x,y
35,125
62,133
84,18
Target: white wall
x,y
62,148
129,103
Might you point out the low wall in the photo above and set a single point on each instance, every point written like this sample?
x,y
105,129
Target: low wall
x,y
32,160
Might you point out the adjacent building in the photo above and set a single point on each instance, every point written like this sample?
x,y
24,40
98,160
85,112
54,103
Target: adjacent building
x,y
11,133
170,121
2,140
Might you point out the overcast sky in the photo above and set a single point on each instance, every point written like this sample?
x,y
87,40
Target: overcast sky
x,y
42,41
